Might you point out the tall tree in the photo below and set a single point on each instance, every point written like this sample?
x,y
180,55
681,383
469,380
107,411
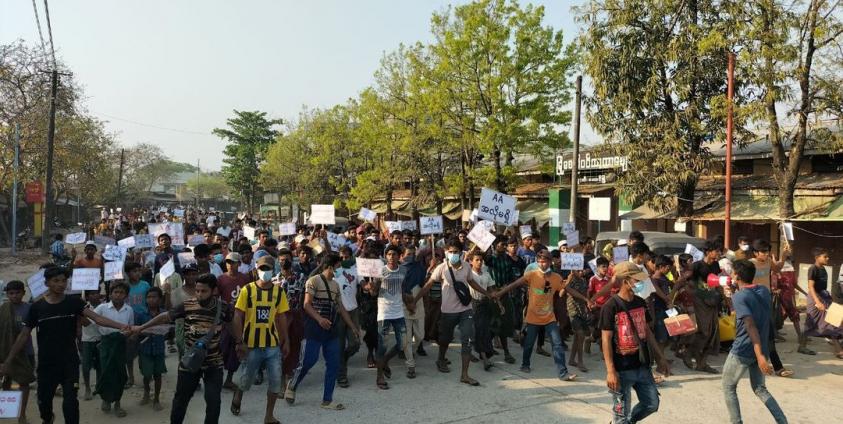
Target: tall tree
x,y
657,78
249,135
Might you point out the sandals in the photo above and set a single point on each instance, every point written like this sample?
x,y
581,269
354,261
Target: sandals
x,y
568,377
332,406
806,351
470,381
784,372
442,367
383,385
708,369
370,363
290,396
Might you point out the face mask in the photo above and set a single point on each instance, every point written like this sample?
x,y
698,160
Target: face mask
x,y
548,270
453,258
348,263
218,258
337,273
744,247
265,276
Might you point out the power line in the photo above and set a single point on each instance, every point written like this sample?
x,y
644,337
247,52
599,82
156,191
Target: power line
x,y
50,33
116,118
38,23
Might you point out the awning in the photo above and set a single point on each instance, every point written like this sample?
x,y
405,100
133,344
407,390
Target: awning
x,y
766,209
646,212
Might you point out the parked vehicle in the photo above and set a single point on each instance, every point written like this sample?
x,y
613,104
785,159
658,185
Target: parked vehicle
x,y
659,243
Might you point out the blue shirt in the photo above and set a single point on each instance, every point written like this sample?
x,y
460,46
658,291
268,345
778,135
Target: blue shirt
x,y
527,255
137,296
149,344
754,301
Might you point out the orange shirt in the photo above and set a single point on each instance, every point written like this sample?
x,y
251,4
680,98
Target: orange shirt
x,y
540,304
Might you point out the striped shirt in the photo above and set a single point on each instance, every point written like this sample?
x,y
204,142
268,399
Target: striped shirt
x,y
260,307
198,321
500,269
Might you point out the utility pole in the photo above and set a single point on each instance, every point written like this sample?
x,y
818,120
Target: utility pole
x,y
730,94
572,215
198,173
51,134
120,176
15,193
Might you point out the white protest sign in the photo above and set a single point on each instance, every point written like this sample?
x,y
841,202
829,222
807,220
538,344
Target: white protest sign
x,y
600,209
186,258
593,265
620,254
568,227
490,226
409,225
249,232
168,269
105,241
36,284
693,251
496,207
114,253
336,241
113,271
322,214
369,267
178,213
143,241
174,230
573,238
367,214
525,230
127,243
85,279
76,238
162,209
10,402
572,261
431,225
787,229
481,237
196,240
287,228
392,226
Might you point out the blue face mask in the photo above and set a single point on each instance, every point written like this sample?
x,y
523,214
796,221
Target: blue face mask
x,y
218,258
337,273
453,258
265,276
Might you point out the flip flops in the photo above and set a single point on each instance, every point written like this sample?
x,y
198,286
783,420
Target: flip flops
x,y
332,406
470,381
290,396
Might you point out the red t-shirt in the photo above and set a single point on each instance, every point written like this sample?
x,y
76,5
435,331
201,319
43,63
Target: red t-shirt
x,y
229,287
595,284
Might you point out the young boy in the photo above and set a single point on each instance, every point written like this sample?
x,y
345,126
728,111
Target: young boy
x,y
786,286
659,301
90,343
137,301
483,308
578,312
111,383
819,299
599,280
151,349
21,367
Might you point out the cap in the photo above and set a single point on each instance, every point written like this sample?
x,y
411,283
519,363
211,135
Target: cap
x,y
233,257
260,254
562,243
90,243
283,245
265,261
191,267
627,269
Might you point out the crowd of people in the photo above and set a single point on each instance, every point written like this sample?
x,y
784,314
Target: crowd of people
x,y
263,308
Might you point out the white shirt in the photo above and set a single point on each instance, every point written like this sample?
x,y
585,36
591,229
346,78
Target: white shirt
x,y
390,295
126,315
483,280
348,280
91,332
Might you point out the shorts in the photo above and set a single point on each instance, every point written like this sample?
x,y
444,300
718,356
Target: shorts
x,y
789,308
91,355
151,366
580,323
131,348
449,321
270,359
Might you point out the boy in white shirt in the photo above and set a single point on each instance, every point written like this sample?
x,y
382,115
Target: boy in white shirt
x,y
90,343
113,376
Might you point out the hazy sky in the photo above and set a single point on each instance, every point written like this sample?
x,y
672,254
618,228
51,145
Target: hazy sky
x,y
186,65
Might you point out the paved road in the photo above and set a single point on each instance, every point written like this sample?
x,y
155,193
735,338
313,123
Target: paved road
x,y
509,396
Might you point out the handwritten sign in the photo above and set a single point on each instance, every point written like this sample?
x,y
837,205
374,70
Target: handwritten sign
x,y
85,279
481,237
593,265
287,228
174,230
168,269
37,284
620,254
322,214
409,225
568,227
525,231
249,232
572,261
431,225
496,207
127,243
196,240
693,251
367,215
490,226
76,238
143,241
10,402
573,238
105,241
336,241
114,271
369,267
392,226
114,253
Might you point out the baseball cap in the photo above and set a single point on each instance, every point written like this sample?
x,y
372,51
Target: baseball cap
x,y
191,267
233,257
628,269
283,245
265,261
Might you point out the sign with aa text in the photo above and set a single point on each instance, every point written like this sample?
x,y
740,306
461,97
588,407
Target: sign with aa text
x,y
496,207
481,237
322,214
431,225
85,279
369,267
572,261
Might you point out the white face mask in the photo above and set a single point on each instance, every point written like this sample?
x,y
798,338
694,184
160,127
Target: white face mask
x,y
265,276
744,247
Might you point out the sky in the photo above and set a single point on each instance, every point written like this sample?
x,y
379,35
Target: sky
x,y
167,72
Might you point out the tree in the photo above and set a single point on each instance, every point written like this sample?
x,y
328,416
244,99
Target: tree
x,y
206,186
658,80
249,135
789,59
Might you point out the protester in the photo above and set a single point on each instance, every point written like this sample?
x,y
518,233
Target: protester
x,y
414,312
90,343
137,301
228,286
390,311
483,308
501,271
749,350
579,308
349,283
13,313
151,350
819,299
707,302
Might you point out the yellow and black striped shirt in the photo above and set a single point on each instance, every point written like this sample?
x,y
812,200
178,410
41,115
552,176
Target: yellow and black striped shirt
x,y
260,307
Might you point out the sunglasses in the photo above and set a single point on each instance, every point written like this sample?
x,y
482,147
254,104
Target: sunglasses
x,y
546,286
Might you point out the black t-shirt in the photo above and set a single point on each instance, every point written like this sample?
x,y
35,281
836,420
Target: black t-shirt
x,y
56,327
702,269
820,277
624,345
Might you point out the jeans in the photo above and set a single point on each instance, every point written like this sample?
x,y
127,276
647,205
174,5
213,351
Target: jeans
x,y
399,327
733,370
552,330
349,343
310,354
640,379
186,386
49,378
268,358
